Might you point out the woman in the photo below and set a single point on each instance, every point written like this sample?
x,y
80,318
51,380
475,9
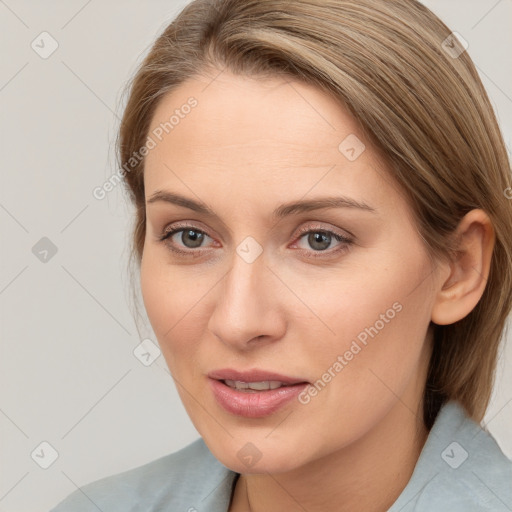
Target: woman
x,y
325,251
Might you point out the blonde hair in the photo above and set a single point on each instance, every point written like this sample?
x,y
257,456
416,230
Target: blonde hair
x,y
389,63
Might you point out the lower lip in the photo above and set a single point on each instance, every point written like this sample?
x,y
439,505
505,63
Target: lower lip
x,y
254,405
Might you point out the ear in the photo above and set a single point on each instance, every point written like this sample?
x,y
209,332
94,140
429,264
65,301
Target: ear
x,y
468,270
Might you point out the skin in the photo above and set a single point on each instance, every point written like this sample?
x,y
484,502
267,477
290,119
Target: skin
x,y
249,146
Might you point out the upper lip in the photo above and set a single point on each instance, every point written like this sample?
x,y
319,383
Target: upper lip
x,y
254,375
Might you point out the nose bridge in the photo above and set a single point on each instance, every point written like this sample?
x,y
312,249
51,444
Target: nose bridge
x,y
241,292
245,307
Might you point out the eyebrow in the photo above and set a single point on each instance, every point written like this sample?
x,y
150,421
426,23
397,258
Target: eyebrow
x,y
280,212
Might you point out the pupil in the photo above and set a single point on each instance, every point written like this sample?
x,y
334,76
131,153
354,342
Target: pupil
x,y
195,237
324,239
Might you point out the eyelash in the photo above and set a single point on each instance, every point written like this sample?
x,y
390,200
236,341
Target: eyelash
x,y
346,242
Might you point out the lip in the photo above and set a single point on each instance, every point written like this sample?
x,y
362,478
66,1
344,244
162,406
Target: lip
x,y
253,404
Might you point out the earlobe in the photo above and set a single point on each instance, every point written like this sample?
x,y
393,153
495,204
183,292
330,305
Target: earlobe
x,y
460,292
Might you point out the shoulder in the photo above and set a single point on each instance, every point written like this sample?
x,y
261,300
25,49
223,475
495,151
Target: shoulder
x,y
174,482
483,481
461,468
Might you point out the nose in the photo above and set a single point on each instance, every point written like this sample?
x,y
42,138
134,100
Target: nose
x,y
248,311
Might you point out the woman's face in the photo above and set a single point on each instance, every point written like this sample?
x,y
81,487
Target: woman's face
x,y
339,297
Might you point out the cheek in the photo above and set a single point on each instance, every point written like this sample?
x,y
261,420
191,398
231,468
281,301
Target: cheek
x,y
155,289
174,301
163,305
377,317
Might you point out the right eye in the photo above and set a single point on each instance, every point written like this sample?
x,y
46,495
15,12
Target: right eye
x,y
189,236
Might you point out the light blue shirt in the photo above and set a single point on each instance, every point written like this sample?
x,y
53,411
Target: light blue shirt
x,y
461,468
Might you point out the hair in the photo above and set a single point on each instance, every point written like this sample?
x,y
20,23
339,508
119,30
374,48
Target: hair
x,y
425,108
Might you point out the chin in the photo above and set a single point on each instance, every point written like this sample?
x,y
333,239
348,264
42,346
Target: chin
x,y
256,457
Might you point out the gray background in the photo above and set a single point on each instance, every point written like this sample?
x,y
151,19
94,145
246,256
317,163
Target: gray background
x,y
68,375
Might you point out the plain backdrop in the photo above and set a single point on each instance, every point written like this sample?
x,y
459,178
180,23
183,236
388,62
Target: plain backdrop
x,y
68,374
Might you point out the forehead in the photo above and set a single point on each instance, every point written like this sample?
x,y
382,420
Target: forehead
x,y
241,113
248,132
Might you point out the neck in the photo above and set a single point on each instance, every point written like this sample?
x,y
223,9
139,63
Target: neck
x,y
368,475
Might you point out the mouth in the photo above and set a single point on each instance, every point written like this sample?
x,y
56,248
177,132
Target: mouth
x,y
255,387
256,377
255,393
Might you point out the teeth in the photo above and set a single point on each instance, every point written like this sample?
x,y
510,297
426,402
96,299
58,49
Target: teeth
x,y
255,386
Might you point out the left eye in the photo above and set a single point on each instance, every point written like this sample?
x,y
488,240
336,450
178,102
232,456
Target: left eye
x,y
320,240
191,238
